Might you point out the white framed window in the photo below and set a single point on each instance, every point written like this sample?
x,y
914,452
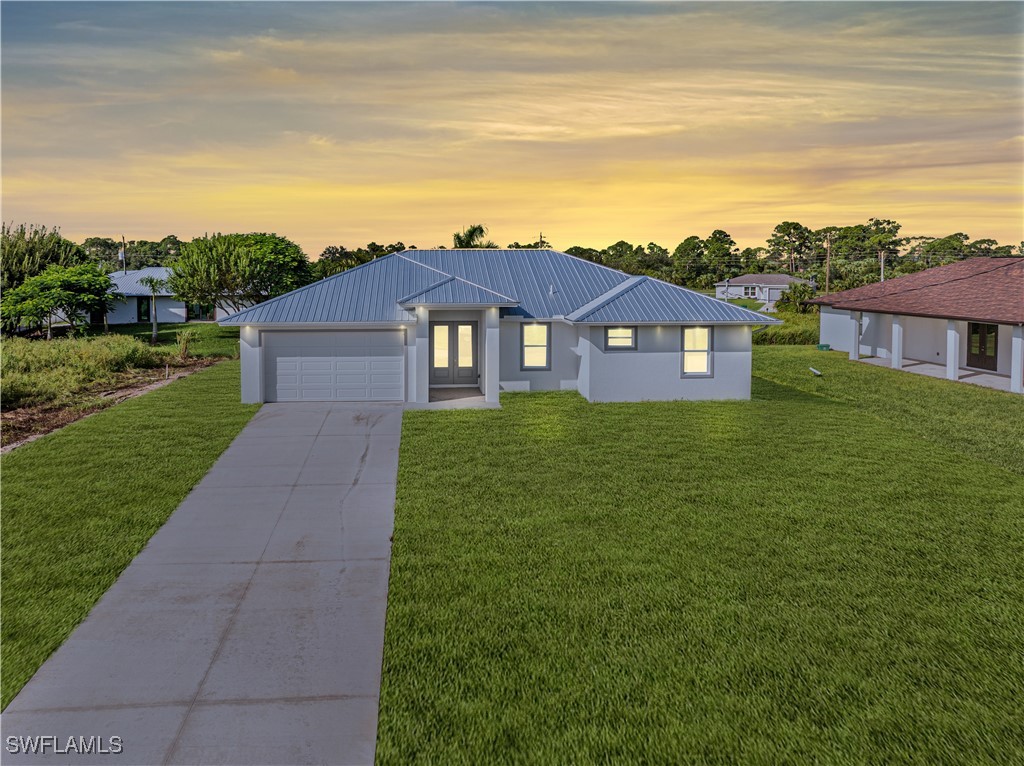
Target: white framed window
x,y
697,347
620,339
750,291
535,345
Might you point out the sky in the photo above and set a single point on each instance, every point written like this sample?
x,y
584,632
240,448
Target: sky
x,y
344,123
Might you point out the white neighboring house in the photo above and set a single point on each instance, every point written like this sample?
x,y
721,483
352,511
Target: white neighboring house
x,y
135,307
964,321
759,287
401,326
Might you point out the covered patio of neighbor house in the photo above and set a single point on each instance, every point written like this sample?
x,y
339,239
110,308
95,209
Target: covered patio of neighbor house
x,y
962,322
932,370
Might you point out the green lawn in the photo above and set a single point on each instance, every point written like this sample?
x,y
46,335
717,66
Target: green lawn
x,y
747,303
832,572
79,504
213,339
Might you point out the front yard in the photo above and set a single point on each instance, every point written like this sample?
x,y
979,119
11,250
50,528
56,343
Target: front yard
x,y
78,505
47,384
832,572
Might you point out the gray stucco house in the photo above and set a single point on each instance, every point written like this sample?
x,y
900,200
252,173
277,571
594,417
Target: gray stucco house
x,y
138,299
760,287
493,320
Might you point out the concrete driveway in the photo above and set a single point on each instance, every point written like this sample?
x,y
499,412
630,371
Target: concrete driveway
x,y
250,630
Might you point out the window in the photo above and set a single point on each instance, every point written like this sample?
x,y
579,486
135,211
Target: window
x,y
620,339
697,352
750,291
536,343
142,310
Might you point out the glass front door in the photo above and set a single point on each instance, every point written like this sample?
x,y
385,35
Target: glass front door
x,y
453,357
981,345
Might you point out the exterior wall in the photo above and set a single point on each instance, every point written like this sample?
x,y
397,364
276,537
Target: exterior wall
x,y
565,360
924,339
835,328
654,370
876,335
167,310
1004,349
251,355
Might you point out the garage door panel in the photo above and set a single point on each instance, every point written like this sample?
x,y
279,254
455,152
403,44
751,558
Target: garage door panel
x,y
353,365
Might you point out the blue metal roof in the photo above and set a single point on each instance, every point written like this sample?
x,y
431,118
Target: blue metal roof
x,y
643,300
457,292
127,282
544,283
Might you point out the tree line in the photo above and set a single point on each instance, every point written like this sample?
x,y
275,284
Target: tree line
x,y
43,274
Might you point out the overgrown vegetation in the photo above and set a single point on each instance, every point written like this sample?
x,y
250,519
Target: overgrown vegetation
x,y
830,573
37,372
129,467
796,330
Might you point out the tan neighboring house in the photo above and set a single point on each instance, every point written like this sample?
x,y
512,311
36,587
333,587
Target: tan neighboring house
x,y
964,321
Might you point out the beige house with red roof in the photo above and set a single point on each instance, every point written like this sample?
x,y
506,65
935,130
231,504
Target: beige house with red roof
x,y
965,319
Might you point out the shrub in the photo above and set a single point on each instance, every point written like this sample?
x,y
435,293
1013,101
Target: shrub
x,y
37,372
185,338
797,330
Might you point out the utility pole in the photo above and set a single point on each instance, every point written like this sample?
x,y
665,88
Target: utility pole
x,y
828,260
124,256
881,261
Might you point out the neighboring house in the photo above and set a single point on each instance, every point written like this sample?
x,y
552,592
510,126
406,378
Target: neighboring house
x,y
493,320
136,305
967,316
759,287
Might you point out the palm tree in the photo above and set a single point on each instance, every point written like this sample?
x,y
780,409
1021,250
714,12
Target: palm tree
x,y
154,284
472,236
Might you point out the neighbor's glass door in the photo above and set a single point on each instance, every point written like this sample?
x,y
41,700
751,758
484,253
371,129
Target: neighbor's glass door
x,y
983,340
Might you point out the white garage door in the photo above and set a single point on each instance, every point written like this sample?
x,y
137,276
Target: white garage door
x,y
342,366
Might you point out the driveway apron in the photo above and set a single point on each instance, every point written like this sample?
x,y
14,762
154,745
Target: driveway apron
x,y
250,630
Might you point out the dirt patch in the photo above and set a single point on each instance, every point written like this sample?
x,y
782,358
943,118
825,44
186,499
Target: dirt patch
x,y
25,424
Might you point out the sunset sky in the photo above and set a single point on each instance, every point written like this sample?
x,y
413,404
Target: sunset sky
x,y
339,123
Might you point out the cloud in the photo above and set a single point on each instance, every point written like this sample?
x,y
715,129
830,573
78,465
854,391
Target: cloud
x,y
650,119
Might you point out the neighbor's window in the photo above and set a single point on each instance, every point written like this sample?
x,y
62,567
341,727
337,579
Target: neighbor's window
x,y
750,291
696,351
620,338
536,346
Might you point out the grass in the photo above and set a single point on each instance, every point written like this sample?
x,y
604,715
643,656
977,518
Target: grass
x,y
79,504
828,573
797,329
71,372
747,303
212,340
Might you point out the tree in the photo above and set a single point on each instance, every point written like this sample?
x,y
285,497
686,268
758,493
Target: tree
x,y
154,284
235,270
688,261
794,300
720,255
884,241
28,250
472,237
336,259
60,292
790,242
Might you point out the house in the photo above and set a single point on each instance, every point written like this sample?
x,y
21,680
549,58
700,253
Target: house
x,y
961,321
493,320
759,287
138,298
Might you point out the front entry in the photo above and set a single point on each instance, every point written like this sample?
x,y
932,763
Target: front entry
x,y
453,357
981,346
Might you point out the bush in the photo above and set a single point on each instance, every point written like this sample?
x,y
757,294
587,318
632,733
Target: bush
x,y
797,330
37,372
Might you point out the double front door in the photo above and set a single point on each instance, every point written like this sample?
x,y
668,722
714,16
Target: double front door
x,y
453,354
981,345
